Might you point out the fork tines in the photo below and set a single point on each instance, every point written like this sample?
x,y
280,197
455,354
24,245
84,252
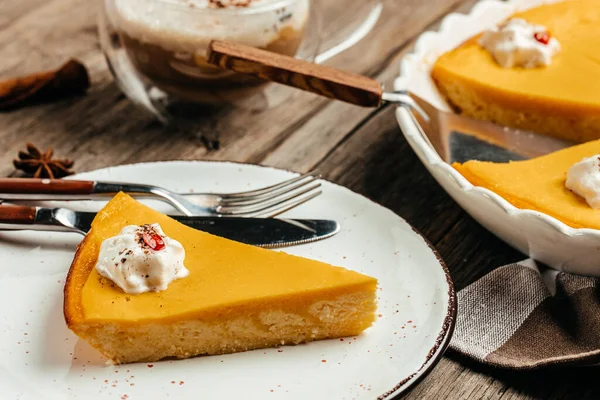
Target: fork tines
x,y
273,200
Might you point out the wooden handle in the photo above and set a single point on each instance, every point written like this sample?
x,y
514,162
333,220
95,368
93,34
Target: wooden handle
x,y
45,186
319,79
17,215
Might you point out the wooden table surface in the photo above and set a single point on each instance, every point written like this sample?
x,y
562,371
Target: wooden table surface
x,y
361,149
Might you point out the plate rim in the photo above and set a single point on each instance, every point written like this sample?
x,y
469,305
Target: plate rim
x,y
444,337
442,341
416,55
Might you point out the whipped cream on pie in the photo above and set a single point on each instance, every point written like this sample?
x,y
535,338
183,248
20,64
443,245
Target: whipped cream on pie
x,y
141,259
517,43
583,179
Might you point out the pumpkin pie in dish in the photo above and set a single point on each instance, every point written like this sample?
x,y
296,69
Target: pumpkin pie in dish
x,y
542,184
221,297
547,83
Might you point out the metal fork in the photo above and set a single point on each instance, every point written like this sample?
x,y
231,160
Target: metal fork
x,y
267,201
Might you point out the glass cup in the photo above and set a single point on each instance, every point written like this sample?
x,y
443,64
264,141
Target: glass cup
x,y
156,49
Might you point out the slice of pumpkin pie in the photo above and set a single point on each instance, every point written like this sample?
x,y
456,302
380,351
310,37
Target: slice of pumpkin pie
x,y
143,287
564,184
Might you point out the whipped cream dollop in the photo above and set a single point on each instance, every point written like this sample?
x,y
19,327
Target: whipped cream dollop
x,y
141,259
517,43
583,179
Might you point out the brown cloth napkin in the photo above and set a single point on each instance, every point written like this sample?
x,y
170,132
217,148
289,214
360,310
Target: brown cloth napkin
x,y
525,316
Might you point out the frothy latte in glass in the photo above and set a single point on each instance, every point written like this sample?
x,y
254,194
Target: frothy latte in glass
x,y
167,40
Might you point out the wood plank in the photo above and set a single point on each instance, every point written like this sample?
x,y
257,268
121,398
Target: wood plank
x,y
46,35
13,10
461,379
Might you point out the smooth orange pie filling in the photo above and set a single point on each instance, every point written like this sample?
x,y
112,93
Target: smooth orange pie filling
x,y
237,297
561,99
539,184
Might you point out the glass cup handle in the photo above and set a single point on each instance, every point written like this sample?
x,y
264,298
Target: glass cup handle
x,y
356,36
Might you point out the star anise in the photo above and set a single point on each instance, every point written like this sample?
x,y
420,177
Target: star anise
x,y
41,165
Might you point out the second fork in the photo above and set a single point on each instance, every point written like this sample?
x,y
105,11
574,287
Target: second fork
x,y
267,201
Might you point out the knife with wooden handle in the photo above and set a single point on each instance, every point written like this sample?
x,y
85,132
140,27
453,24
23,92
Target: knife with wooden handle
x,y
262,232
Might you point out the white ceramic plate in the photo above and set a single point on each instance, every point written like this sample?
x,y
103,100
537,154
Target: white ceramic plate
x,y
41,359
536,234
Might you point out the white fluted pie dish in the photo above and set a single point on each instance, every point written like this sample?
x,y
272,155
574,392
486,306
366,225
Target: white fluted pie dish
x,y
534,233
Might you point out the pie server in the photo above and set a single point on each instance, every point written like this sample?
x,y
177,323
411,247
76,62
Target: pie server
x,y
262,232
454,137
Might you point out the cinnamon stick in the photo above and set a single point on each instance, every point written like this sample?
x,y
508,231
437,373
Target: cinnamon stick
x,y
70,79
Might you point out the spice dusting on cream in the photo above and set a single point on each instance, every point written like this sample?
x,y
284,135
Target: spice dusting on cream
x,y
141,259
583,179
517,43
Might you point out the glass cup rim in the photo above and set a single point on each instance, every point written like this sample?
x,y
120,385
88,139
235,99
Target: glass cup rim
x,y
270,6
